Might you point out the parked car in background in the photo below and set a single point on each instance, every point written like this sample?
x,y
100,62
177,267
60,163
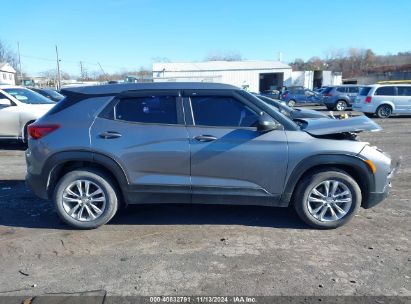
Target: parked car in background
x,y
292,113
340,97
271,94
298,95
200,143
384,100
49,93
20,107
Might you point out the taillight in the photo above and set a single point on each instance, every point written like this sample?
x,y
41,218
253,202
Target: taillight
x,y
328,94
285,95
37,131
368,99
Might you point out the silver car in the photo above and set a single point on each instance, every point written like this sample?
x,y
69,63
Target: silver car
x,y
198,143
384,100
20,107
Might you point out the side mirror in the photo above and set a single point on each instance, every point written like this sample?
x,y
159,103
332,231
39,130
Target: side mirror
x,y
4,102
266,124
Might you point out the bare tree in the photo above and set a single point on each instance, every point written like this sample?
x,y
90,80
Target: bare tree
x,y
223,56
8,55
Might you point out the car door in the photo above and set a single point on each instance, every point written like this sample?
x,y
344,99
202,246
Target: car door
x,y
403,99
232,162
9,117
144,132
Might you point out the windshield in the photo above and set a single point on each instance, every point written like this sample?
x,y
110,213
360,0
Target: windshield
x,y
28,96
53,93
284,109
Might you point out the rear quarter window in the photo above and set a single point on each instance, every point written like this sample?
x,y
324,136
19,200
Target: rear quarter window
x,y
385,91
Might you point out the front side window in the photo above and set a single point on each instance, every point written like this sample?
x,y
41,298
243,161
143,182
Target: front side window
x,y
27,96
150,109
385,91
222,111
341,89
404,91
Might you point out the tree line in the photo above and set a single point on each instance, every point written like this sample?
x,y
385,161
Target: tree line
x,y
352,62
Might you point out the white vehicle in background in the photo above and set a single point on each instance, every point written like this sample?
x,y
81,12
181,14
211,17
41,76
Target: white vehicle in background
x,y
20,107
384,100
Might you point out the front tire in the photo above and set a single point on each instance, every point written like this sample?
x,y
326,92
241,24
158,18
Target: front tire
x,y
327,199
86,198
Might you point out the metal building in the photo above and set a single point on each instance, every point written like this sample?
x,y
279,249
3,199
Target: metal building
x,y
256,76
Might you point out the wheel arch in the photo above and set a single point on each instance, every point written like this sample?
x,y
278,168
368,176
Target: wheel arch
x,y
350,164
387,103
62,162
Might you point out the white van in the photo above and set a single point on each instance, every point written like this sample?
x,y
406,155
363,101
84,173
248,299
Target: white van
x,y
384,99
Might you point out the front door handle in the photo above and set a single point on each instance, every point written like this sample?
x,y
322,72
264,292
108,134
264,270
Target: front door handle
x,y
205,138
109,135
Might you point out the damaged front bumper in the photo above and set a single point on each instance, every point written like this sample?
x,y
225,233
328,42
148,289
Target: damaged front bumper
x,y
374,198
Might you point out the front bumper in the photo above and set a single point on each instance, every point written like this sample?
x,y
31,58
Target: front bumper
x,y
374,198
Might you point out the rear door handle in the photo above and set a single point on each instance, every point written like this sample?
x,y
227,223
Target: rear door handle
x,y
205,138
109,135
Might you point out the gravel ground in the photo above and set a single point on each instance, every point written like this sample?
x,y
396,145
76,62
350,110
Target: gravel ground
x,y
207,250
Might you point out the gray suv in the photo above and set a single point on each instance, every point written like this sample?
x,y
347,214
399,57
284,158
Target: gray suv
x,y
340,97
106,146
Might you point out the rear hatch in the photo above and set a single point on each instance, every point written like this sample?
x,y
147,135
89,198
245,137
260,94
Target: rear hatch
x,y
326,94
362,95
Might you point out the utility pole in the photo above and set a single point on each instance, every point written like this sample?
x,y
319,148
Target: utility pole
x,y
58,70
104,73
280,56
21,72
81,71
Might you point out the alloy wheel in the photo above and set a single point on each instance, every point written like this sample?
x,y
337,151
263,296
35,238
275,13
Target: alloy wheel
x,y
84,200
340,106
329,201
384,111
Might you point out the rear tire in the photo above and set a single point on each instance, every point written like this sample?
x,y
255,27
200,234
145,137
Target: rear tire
x,y
329,210
291,103
86,198
384,111
341,105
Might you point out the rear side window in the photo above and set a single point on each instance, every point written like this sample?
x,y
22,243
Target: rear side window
x,y
404,91
385,91
353,89
364,91
152,109
341,89
223,111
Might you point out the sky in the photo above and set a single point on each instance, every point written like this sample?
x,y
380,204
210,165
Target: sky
x,y
128,34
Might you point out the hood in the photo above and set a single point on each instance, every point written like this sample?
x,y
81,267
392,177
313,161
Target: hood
x,y
306,113
324,126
